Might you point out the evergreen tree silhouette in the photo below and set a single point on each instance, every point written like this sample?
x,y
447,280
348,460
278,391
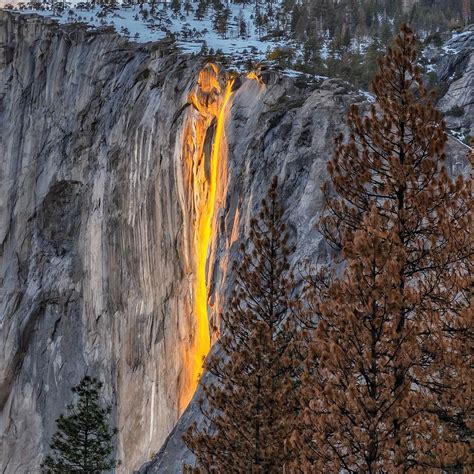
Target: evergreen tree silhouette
x,y
84,440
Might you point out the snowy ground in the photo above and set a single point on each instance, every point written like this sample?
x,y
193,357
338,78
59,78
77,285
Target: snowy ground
x,y
157,20
144,23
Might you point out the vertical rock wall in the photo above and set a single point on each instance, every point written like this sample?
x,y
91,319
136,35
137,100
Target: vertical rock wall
x,y
96,269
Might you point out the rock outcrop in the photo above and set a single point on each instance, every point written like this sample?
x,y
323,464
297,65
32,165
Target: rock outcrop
x,y
106,164
456,70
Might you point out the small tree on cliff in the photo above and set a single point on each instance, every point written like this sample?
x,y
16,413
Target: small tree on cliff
x,y
388,385
250,406
84,440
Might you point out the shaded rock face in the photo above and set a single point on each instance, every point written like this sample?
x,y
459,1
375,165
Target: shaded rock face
x,y
456,69
55,227
105,162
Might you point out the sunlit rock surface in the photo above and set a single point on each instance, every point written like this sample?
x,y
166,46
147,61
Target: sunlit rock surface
x,y
106,174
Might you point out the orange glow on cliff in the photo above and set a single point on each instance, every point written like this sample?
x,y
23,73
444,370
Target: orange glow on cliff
x,y
204,237
206,189
255,77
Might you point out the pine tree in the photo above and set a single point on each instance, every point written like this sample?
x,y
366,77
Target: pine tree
x,y
243,33
388,385
201,10
251,406
221,21
84,441
176,5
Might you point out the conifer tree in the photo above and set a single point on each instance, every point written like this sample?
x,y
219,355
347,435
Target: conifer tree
x,y
84,440
388,382
250,405
176,5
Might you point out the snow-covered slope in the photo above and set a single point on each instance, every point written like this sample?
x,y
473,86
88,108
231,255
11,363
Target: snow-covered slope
x,y
157,20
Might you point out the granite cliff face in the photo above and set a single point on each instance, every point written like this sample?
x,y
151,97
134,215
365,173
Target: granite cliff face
x,y
95,268
456,70
117,162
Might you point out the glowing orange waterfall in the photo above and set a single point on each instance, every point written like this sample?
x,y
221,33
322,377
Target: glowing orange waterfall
x,y
210,101
255,77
